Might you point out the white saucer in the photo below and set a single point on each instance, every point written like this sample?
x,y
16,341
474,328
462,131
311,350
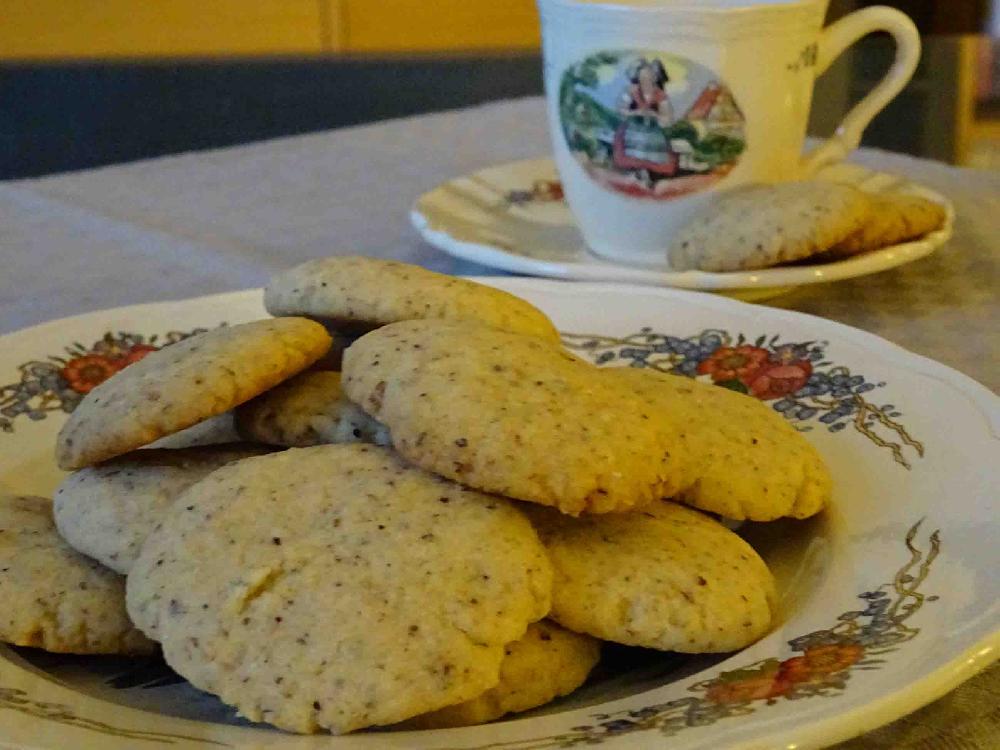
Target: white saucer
x,y
512,217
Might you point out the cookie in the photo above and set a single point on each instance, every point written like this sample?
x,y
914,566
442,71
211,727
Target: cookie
x,y
750,462
215,430
358,294
185,383
338,587
894,218
107,511
546,663
340,340
514,415
53,597
763,225
309,409
666,577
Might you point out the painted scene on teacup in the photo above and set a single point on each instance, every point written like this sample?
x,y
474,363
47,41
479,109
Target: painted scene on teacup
x,y
650,124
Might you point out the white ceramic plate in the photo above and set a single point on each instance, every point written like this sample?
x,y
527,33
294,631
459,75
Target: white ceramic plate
x,y
890,599
512,217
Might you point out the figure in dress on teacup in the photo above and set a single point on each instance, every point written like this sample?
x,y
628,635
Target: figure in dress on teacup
x,y
641,143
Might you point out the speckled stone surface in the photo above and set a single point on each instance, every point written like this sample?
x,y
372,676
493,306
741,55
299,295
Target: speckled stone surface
x,y
228,219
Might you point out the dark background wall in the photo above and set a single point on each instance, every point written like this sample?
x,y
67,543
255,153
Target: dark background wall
x,y
57,117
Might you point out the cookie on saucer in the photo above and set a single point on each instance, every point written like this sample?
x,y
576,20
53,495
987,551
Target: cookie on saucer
x,y
53,597
185,383
760,226
894,218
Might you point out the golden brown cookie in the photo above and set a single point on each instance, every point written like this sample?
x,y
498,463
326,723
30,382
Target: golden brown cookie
x,y
894,218
750,463
216,430
338,587
309,409
665,577
514,415
357,294
546,663
185,383
107,511
52,597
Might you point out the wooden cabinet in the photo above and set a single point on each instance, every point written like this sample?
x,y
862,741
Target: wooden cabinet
x,y
53,29
415,26
108,29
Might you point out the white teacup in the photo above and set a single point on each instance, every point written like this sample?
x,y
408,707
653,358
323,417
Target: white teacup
x,y
655,106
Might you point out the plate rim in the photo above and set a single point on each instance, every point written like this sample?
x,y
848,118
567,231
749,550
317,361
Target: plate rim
x,y
860,337
844,725
979,393
602,270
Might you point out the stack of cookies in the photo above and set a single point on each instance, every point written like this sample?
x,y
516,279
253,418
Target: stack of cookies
x,y
434,516
760,226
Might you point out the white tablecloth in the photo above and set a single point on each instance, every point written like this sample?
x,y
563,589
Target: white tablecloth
x,y
214,221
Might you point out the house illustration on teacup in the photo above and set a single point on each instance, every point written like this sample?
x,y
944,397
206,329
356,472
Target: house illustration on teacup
x,y
650,124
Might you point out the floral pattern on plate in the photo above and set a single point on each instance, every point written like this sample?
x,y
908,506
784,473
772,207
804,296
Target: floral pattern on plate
x,y
798,379
59,382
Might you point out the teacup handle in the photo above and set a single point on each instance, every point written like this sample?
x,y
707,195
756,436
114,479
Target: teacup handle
x,y
837,37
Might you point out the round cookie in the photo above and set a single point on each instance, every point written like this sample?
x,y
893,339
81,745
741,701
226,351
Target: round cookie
x,y
215,430
546,663
54,598
107,511
309,409
185,383
514,415
750,462
666,577
763,225
338,587
894,218
360,294
339,341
